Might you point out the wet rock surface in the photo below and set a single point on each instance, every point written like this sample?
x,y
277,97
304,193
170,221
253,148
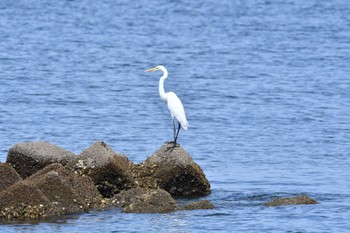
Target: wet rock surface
x,y
29,157
172,169
297,200
110,171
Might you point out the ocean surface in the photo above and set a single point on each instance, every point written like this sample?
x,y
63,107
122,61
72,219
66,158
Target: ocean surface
x,y
265,85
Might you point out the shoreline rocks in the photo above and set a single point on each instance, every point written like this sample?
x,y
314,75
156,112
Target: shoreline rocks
x,y
44,180
41,180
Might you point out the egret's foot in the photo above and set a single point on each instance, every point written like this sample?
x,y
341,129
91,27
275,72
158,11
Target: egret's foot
x,y
172,147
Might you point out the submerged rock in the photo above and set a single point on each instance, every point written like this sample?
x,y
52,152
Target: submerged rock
x,y
110,171
29,157
205,204
297,200
140,200
8,176
172,169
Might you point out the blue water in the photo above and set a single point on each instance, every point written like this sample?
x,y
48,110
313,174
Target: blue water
x,y
265,85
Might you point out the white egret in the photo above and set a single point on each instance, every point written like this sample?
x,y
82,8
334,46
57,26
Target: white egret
x,y
175,106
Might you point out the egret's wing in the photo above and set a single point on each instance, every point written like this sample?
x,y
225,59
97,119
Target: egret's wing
x,y
176,109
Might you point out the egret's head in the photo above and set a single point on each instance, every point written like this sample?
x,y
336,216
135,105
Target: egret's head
x,y
156,68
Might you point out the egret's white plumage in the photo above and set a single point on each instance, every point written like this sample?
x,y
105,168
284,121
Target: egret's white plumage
x,y
175,106
176,109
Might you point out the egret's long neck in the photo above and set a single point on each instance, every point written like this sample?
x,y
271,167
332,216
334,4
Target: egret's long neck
x,y
161,86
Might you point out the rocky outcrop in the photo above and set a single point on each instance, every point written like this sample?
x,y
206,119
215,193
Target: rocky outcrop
x,y
140,200
8,176
297,200
172,169
56,182
110,171
29,157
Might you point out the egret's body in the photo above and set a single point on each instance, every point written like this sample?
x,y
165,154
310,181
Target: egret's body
x,y
175,106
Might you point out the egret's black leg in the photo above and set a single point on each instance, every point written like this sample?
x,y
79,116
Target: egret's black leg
x,y
177,134
174,129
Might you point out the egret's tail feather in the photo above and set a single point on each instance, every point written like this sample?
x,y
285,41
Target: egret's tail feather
x,y
184,125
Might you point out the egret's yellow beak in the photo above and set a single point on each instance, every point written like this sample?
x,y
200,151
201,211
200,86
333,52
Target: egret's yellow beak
x,y
152,69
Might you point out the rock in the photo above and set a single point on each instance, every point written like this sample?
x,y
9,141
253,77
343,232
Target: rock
x,y
59,191
71,192
172,169
140,200
110,171
51,191
57,182
297,200
205,204
25,200
8,176
29,157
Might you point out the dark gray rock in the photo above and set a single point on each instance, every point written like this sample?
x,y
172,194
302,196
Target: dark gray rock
x,y
297,200
140,200
205,204
25,200
110,171
8,176
172,169
29,157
